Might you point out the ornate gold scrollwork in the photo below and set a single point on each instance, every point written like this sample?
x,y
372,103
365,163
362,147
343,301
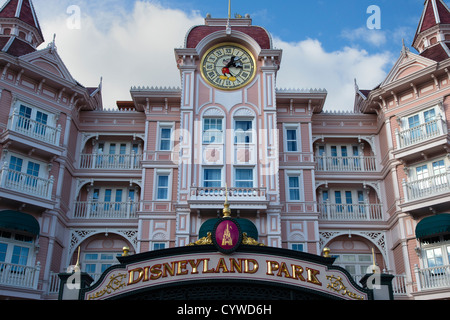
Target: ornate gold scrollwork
x,y
337,285
203,241
116,282
250,241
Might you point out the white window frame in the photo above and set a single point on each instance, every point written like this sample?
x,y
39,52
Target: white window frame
x,y
43,167
294,246
51,116
421,114
165,125
296,127
158,173
442,244
299,175
99,262
361,267
220,135
254,176
165,245
222,173
430,170
12,242
252,131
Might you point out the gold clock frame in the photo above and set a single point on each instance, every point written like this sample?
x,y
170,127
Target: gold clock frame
x,y
223,44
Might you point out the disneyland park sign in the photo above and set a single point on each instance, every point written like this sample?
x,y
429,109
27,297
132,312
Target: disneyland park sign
x,y
225,259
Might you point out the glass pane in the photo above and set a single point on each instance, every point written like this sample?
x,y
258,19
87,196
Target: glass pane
x,y
243,131
91,256
108,195
104,267
294,194
90,268
20,255
212,178
107,256
293,182
3,248
165,133
413,121
33,169
15,164
429,115
244,178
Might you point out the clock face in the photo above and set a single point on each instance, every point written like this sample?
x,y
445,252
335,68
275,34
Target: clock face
x,y
228,66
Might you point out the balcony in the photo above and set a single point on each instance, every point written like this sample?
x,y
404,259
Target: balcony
x,y
111,161
34,129
19,276
239,198
433,278
350,212
105,210
427,187
428,137
26,183
346,164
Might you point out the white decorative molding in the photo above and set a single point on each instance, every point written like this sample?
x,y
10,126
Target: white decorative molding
x,y
214,112
378,238
244,112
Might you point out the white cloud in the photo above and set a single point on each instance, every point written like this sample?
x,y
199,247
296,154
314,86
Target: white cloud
x,y
133,49
134,45
307,65
373,37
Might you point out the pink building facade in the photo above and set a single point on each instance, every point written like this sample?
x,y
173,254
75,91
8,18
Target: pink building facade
x,y
369,184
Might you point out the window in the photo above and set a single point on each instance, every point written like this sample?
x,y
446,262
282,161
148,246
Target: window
x,y
244,178
436,253
291,138
294,188
297,247
165,140
355,264
97,262
32,121
25,173
243,131
16,248
212,178
159,245
293,185
212,130
420,126
430,175
162,189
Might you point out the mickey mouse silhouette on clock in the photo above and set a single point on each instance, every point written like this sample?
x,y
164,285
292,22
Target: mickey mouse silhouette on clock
x,y
228,66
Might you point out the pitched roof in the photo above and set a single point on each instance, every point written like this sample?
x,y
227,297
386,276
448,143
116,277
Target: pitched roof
x,y
435,12
22,10
438,52
259,34
15,46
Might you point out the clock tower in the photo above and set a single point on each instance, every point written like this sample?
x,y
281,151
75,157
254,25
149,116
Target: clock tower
x,y
228,127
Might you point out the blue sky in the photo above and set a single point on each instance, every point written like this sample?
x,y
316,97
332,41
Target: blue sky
x,y
326,44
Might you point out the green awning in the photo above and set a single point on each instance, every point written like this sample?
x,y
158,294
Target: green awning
x,y
433,225
16,220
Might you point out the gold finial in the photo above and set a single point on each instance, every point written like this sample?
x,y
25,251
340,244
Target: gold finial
x,y
125,250
374,268
326,252
77,265
229,9
226,206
